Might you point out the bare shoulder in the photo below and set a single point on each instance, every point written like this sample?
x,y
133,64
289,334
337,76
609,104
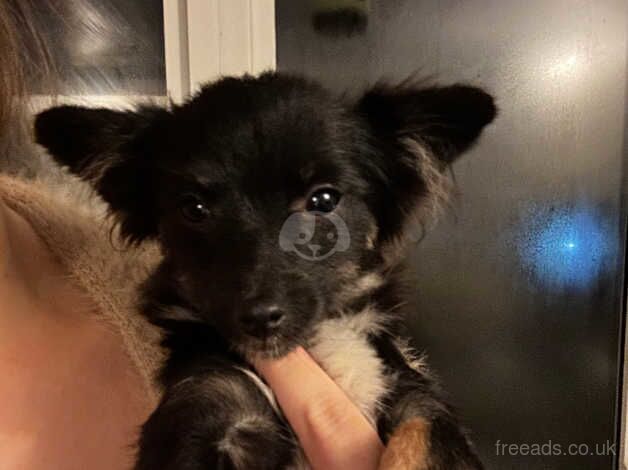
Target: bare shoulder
x,y
4,237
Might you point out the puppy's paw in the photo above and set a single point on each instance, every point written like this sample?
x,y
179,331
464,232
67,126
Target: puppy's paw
x,y
218,421
408,447
248,443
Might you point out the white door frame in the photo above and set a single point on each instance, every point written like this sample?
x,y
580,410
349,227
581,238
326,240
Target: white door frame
x,y
206,39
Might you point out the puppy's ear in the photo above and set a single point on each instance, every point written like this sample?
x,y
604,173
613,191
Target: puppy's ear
x,y
447,120
111,150
417,133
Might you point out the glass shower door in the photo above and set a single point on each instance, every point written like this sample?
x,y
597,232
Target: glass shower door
x,y
518,291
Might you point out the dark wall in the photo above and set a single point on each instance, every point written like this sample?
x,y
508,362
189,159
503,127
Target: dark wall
x,y
518,289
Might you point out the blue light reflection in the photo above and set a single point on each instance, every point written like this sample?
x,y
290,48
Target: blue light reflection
x,y
567,248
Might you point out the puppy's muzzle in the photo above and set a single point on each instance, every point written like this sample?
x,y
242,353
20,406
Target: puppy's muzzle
x,y
261,320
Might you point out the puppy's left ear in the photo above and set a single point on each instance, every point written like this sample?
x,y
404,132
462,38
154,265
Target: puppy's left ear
x,y
112,150
417,133
447,120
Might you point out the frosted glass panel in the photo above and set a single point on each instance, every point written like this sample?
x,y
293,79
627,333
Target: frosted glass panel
x,y
518,291
112,47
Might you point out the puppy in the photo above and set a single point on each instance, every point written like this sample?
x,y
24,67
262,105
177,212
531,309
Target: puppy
x,y
281,211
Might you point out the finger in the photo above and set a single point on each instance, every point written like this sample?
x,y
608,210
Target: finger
x,y
331,429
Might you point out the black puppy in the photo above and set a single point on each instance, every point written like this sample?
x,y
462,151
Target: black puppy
x,y
280,210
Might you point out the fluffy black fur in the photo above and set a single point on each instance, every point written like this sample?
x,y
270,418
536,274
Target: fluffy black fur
x,y
214,180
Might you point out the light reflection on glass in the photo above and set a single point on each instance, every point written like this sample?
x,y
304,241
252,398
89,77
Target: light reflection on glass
x,y
564,247
566,65
112,47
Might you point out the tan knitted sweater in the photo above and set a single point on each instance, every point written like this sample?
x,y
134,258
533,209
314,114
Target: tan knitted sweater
x,y
83,240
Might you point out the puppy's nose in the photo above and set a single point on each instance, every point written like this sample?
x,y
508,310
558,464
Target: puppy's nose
x,y
261,320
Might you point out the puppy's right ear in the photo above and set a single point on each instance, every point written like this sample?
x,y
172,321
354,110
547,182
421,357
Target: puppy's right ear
x,y
111,150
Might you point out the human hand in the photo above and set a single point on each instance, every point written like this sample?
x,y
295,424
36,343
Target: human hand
x,y
334,434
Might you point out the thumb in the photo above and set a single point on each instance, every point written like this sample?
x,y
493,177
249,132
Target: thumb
x,y
333,432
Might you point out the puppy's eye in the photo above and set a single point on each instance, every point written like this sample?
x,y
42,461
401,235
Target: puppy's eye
x,y
193,209
323,200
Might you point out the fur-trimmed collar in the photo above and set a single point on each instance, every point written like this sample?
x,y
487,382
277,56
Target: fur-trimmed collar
x,y
72,226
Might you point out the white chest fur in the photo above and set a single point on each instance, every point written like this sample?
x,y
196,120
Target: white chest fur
x,y
342,348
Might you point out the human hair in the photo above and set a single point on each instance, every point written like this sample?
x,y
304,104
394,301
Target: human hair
x,y
26,65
